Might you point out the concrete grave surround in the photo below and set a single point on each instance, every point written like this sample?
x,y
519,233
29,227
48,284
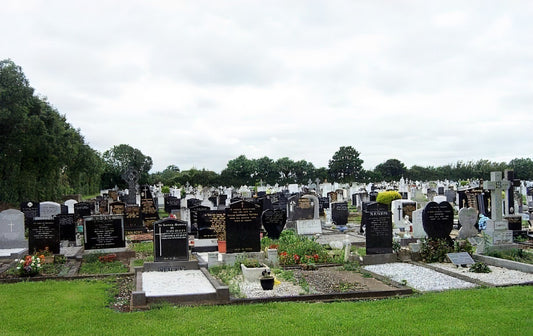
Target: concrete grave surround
x,y
468,218
12,230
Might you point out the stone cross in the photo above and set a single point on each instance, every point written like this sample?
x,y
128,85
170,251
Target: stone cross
x,y
496,186
11,225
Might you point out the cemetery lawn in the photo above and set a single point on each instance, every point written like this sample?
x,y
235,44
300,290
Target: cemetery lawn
x,y
81,307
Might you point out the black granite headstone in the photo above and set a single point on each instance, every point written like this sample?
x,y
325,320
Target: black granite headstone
x,y
132,219
171,203
300,208
82,209
243,225
378,220
67,226
274,222
437,220
196,217
171,240
149,212
212,224
103,232
192,202
43,235
30,210
339,213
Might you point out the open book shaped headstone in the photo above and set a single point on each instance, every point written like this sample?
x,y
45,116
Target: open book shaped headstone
x,y
460,259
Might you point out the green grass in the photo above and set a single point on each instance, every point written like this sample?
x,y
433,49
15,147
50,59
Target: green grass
x,y
80,308
91,265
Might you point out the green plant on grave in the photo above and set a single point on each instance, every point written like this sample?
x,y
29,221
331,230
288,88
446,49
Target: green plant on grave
x,y
386,197
251,263
294,249
435,250
229,276
396,246
463,246
480,267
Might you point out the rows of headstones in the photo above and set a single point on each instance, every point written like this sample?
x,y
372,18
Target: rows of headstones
x,y
435,219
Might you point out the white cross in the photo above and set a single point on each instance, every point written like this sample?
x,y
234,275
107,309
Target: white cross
x,y
11,226
496,186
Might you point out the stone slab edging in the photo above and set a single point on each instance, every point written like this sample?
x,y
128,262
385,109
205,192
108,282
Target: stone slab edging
x,y
347,296
453,274
499,262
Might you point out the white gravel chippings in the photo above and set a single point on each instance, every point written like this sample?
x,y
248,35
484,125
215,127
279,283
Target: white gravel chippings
x,y
419,278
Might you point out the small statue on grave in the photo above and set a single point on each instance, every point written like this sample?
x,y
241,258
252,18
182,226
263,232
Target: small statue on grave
x,y
408,227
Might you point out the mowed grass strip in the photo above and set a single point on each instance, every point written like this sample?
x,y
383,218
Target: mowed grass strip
x,y
80,308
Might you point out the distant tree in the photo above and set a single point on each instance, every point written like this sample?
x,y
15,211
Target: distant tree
x,y
265,169
391,170
239,171
285,167
168,176
523,168
118,159
345,165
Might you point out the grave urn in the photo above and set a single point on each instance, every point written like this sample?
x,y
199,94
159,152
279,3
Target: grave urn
x,y
267,283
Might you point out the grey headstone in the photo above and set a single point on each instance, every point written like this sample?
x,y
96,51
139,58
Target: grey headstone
x,y
467,219
12,229
49,209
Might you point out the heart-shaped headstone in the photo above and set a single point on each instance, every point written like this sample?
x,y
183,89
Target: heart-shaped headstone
x,y
437,219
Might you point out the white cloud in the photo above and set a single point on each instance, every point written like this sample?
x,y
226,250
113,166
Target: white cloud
x,y
200,83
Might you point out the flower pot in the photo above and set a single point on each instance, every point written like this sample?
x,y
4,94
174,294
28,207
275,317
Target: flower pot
x,y
267,283
221,246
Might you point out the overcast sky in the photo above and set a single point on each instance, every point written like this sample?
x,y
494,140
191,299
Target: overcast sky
x,y
198,83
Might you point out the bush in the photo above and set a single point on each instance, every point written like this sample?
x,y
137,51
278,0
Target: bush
x,y
480,267
386,197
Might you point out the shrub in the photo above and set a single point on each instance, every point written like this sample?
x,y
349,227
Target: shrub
x,y
386,197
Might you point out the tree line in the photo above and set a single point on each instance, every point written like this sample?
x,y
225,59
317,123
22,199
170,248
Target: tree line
x,y
42,157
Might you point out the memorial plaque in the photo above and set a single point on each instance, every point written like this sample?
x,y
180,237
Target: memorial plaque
x,y
460,259
243,225
339,213
378,220
132,219
171,240
103,232
67,226
191,202
117,208
149,212
43,235
437,219
274,222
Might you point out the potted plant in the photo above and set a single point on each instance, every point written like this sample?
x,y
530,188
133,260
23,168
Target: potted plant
x,y
267,280
252,269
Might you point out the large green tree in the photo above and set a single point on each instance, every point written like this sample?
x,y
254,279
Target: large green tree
x,y
345,165
41,155
118,159
391,170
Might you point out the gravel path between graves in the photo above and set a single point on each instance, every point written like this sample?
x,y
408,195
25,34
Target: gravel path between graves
x,y
418,277
498,277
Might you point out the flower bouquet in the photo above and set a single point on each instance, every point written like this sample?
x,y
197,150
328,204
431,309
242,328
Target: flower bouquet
x,y
29,266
